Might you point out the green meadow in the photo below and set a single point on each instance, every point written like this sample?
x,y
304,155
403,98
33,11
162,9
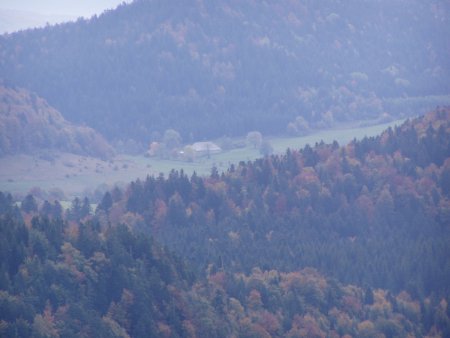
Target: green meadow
x,y
71,175
280,144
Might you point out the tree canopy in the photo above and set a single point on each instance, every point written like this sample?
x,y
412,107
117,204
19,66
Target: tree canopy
x,y
209,70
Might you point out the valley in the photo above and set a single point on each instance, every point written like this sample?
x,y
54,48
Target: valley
x,y
226,169
64,175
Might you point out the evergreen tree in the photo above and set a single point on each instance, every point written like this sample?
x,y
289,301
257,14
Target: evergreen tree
x,y
106,202
29,204
85,208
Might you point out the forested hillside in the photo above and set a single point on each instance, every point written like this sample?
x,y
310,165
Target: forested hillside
x,y
66,277
326,241
228,67
374,212
29,125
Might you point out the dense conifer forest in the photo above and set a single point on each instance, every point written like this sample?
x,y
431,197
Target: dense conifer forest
x,y
229,67
324,241
328,241
361,213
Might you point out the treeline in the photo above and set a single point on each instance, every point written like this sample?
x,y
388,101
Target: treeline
x,y
62,278
209,70
374,212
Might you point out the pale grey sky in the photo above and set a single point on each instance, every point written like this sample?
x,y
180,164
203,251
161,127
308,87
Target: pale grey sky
x,y
61,7
22,14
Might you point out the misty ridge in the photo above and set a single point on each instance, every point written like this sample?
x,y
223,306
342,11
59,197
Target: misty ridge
x,y
233,168
224,69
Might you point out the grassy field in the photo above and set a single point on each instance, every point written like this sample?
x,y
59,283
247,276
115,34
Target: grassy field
x,y
72,175
223,160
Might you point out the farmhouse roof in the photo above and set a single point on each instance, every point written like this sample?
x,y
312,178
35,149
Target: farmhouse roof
x,y
205,146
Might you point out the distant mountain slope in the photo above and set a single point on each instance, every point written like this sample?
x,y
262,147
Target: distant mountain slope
x,y
29,124
227,67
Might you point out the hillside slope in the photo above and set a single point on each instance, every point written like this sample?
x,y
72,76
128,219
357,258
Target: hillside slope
x,y
228,67
28,125
374,212
77,278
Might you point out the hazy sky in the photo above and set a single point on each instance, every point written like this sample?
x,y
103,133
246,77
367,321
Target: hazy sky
x,y
22,14
61,7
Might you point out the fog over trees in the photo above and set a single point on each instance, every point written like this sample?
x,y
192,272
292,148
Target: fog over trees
x,y
224,69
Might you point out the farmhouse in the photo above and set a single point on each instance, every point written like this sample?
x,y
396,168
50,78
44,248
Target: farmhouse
x,y
205,148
